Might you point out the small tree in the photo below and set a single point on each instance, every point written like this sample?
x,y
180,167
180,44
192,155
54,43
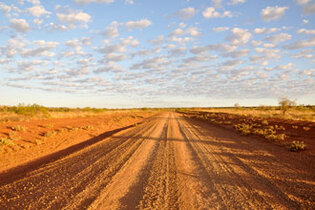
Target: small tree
x,y
237,105
285,104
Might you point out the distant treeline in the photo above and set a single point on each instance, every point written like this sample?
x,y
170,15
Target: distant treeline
x,y
262,107
36,109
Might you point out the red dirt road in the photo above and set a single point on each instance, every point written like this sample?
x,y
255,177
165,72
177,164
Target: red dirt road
x,y
167,162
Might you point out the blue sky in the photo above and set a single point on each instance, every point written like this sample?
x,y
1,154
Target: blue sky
x,y
145,53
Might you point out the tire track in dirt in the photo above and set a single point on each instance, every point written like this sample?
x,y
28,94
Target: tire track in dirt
x,y
235,196
238,183
128,182
160,189
45,188
168,162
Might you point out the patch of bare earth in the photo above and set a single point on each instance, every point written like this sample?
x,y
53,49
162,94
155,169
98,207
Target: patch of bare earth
x,y
37,138
167,162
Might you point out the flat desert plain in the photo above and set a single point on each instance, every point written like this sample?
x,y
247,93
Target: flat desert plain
x,y
150,160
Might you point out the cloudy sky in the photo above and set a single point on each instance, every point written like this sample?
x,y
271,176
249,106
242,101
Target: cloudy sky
x,y
156,53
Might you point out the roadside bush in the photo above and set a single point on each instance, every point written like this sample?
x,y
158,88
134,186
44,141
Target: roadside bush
x,y
5,141
18,128
285,104
30,110
297,146
243,128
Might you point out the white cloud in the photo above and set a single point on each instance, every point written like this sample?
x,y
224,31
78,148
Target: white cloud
x,y
269,45
239,36
74,18
238,1
305,31
129,2
309,8
269,53
232,63
305,21
86,41
158,40
19,25
273,13
129,41
13,47
220,29
151,63
93,1
55,27
186,13
223,48
178,51
177,32
308,54
37,11
302,44
109,67
237,53
141,24
193,31
29,65
35,2
114,48
40,48
256,43
115,57
5,8
74,43
180,40
111,31
282,37
265,30
38,21
302,2
280,67
210,12
217,3
182,25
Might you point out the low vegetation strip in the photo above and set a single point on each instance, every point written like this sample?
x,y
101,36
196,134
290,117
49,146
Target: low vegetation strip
x,y
296,135
24,112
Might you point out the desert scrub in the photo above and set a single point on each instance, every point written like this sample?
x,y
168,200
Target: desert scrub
x,y
279,137
14,135
49,134
88,127
6,141
306,128
18,128
279,127
48,126
264,122
30,110
244,129
297,146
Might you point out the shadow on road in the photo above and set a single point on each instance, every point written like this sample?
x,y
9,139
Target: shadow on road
x,y
20,171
